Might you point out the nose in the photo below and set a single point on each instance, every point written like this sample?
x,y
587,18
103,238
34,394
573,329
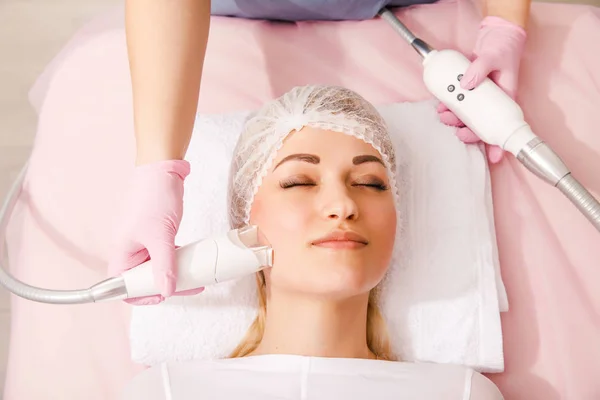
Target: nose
x,y
337,204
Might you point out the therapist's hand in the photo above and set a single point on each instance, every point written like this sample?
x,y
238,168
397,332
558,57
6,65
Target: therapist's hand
x,y
497,53
148,225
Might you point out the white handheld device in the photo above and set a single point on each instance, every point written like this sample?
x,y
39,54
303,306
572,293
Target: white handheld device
x,y
488,111
217,259
495,117
231,255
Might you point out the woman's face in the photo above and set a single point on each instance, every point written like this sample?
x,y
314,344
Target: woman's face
x,y
327,209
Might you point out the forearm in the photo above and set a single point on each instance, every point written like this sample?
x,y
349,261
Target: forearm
x,y
166,43
515,11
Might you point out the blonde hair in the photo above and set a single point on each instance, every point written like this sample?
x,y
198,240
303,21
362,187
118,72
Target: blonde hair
x,y
378,339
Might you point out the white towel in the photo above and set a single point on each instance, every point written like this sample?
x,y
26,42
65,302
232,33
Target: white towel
x,y
449,296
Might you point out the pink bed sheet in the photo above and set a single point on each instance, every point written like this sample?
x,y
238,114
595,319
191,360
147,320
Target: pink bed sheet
x,y
60,233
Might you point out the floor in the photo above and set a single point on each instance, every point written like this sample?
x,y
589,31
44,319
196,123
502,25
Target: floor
x,y
31,33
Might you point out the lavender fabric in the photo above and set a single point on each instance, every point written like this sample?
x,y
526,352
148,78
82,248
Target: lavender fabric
x,y
303,10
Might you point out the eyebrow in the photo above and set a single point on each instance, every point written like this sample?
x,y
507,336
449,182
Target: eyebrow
x,y
313,159
309,158
365,159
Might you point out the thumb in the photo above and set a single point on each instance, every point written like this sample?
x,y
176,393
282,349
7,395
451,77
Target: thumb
x,y
495,154
507,81
164,264
476,73
128,256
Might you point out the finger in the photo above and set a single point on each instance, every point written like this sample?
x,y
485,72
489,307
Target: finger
x,y
449,118
495,154
441,107
146,301
164,264
127,259
476,73
190,292
466,135
507,81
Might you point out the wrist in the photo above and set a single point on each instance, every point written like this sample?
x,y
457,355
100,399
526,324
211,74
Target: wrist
x,y
494,21
513,12
153,155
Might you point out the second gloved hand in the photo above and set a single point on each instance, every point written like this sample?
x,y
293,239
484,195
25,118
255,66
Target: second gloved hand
x,y
498,51
148,225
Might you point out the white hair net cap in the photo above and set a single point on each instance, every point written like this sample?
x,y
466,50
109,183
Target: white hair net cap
x,y
326,107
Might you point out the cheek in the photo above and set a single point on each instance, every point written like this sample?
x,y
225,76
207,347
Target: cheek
x,y
285,225
382,221
283,222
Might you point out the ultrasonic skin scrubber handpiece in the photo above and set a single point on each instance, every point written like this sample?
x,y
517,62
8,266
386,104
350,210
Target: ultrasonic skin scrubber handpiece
x,y
234,254
231,255
495,117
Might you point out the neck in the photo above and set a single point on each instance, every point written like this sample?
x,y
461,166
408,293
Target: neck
x,y
302,325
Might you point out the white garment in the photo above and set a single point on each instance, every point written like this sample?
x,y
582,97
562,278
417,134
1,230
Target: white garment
x,y
443,299
288,377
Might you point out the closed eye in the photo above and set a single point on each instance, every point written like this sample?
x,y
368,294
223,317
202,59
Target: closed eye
x,y
378,186
371,182
289,183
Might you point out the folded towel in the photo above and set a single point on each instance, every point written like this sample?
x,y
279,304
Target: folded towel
x,y
448,293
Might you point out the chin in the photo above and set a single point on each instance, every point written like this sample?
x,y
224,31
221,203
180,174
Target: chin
x,y
328,273
338,281
353,280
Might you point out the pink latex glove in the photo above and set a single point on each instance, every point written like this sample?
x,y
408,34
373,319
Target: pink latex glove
x,y
149,223
498,51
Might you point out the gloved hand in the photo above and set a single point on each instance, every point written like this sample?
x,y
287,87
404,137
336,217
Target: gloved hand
x,y
498,51
149,222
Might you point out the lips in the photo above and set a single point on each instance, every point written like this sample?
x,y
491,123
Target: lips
x,y
344,239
